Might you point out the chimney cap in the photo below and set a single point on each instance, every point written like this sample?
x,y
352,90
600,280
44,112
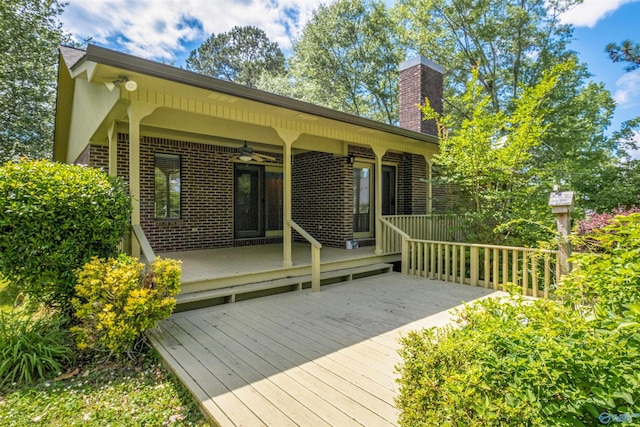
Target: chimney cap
x,y
421,60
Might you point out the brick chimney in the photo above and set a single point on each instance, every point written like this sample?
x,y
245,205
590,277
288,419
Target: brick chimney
x,y
420,78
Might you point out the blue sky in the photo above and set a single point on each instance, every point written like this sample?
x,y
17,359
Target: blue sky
x,y
169,29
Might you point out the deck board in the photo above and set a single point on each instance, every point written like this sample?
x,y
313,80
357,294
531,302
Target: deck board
x,y
306,358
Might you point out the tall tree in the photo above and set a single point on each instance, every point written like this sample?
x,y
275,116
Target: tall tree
x,y
488,156
240,56
347,58
30,33
512,43
625,52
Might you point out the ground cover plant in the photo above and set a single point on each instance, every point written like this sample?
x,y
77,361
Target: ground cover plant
x,y
562,362
116,394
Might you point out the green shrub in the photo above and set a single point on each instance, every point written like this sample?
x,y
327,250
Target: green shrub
x,y
523,362
118,300
609,277
32,347
519,362
54,218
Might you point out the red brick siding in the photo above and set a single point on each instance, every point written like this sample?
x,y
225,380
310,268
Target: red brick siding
x,y
323,197
322,192
417,83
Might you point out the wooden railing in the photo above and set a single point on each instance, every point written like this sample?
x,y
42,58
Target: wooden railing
x,y
440,227
536,271
145,246
315,255
392,237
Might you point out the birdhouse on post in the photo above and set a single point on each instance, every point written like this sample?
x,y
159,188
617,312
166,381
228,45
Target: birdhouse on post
x,y
561,203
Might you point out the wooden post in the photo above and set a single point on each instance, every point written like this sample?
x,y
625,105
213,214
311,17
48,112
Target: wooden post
x,y
475,267
405,255
288,138
561,203
315,268
563,224
136,112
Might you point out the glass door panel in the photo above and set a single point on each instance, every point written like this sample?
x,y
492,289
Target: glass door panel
x,y
388,190
362,200
248,198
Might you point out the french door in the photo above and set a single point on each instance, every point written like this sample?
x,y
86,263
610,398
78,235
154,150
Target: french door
x,y
364,196
257,201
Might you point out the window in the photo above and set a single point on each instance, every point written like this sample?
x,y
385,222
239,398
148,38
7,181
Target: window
x,y
167,186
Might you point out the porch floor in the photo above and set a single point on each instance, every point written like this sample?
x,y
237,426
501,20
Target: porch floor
x,y
306,358
212,264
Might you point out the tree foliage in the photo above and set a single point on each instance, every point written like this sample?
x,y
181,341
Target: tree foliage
x,y
488,156
511,44
625,52
242,55
30,34
53,219
346,58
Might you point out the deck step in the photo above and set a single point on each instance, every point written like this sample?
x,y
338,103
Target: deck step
x,y
201,299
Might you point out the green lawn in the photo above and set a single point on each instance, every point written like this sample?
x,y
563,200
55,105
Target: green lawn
x,y
144,394
140,394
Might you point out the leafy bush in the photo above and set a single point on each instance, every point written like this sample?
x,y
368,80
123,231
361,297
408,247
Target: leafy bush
x,y
610,277
32,347
523,362
54,218
118,300
587,229
519,362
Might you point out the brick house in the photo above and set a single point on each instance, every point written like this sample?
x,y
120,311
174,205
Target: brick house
x,y
177,139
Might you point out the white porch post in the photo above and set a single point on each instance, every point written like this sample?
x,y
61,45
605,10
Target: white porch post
x,y
113,149
288,137
429,185
136,113
379,152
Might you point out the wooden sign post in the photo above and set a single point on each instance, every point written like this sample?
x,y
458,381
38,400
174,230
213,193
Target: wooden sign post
x,y
561,203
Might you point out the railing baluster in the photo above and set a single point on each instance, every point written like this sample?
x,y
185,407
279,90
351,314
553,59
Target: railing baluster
x,y
439,263
534,275
547,274
454,263
525,274
463,261
487,269
505,269
447,259
496,265
514,266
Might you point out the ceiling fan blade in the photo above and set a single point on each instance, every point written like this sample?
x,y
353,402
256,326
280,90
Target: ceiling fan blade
x,y
265,157
257,157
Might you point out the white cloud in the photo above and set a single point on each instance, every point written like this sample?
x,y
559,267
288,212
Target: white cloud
x,y
159,28
627,92
590,12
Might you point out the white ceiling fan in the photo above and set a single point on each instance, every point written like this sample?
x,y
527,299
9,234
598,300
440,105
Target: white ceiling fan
x,y
246,154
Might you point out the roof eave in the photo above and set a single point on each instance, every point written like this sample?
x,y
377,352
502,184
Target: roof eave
x,y
136,64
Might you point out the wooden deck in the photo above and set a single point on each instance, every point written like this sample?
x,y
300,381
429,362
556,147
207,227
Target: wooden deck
x,y
306,358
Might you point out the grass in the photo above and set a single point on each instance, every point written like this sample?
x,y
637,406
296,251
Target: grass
x,y
140,394
144,394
